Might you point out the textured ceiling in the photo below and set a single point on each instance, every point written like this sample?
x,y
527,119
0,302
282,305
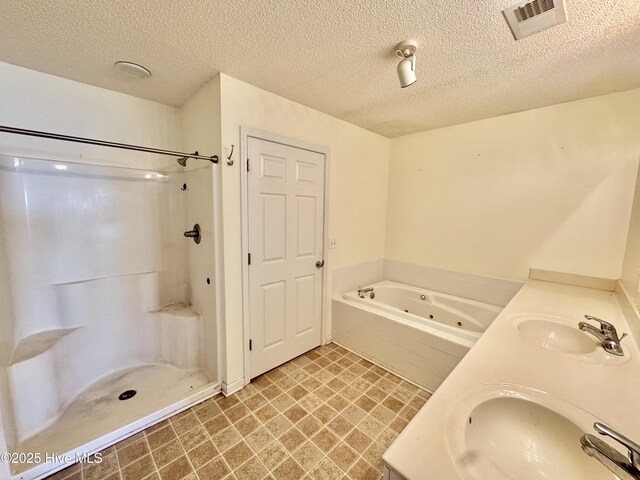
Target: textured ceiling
x,y
332,55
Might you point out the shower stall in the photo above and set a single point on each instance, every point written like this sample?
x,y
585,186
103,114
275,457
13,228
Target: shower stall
x,y
107,309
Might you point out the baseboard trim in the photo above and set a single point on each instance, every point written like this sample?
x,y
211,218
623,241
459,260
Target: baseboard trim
x,y
233,387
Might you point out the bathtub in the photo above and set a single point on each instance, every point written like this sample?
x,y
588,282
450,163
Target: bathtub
x,y
419,334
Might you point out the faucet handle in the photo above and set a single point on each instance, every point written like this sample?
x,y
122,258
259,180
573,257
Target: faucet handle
x,y
604,325
632,447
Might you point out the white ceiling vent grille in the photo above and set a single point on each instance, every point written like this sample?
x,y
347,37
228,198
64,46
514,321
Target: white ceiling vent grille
x,y
529,17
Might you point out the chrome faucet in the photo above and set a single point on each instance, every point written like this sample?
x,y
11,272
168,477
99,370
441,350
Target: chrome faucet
x,y
607,335
626,468
362,292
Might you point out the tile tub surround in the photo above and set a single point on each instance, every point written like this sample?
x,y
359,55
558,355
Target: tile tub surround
x,y
350,278
482,288
328,414
608,392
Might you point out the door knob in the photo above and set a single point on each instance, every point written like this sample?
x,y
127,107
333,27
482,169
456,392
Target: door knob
x,y
320,264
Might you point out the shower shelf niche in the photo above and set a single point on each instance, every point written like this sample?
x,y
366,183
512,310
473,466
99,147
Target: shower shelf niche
x,y
38,343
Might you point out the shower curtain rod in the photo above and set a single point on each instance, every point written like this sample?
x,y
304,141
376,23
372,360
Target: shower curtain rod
x,y
102,143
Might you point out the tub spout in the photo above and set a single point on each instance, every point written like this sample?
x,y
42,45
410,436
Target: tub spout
x,y
362,292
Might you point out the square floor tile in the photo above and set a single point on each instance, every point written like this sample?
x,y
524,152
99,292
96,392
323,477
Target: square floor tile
x,y
328,414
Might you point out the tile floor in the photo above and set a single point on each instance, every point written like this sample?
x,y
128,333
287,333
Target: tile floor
x,y
328,414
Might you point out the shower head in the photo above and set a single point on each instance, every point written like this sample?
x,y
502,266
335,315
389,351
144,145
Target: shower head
x,y
183,160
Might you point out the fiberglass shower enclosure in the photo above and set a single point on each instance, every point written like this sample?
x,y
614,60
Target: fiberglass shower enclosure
x,y
96,296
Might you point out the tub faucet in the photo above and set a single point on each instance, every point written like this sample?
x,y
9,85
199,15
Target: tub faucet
x,y
607,335
362,292
626,468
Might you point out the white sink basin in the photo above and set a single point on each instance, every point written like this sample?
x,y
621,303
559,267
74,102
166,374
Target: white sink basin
x,y
562,336
556,336
515,433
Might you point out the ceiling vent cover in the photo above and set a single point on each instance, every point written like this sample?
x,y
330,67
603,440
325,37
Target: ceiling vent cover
x,y
529,17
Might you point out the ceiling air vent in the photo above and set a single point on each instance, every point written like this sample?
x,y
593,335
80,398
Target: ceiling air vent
x,y
527,18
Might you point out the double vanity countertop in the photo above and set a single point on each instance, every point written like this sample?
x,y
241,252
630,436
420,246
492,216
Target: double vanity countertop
x,y
522,397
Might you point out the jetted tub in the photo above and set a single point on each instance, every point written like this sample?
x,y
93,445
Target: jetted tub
x,y
419,334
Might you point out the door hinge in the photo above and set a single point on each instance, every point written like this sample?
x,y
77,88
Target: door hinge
x,y
247,164
249,259
250,344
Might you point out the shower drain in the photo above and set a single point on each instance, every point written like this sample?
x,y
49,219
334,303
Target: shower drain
x,y
127,395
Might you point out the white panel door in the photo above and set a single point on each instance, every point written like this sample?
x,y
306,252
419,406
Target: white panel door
x,y
286,210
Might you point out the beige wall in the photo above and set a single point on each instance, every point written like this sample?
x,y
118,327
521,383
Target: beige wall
x,y
549,188
358,189
631,268
38,101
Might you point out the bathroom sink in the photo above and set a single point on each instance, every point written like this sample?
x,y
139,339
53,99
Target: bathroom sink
x,y
556,336
561,335
521,435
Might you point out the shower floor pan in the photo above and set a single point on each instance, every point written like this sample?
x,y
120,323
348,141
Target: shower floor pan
x,y
97,418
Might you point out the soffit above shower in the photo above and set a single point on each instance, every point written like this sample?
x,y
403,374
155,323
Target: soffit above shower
x,y
335,56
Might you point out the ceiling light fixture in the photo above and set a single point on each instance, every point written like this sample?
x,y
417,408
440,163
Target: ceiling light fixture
x,y
406,51
132,69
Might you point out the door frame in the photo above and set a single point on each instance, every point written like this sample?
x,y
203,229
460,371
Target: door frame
x,y
245,134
